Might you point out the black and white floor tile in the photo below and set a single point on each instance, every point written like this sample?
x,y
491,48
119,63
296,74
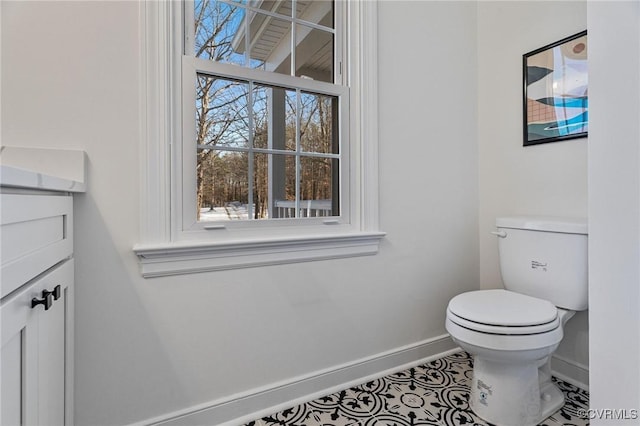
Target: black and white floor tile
x,y
436,394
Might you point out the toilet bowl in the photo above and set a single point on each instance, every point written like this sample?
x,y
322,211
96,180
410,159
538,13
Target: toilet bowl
x,y
512,333
511,337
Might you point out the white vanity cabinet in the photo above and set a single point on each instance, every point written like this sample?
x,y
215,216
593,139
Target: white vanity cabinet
x,y
35,354
36,304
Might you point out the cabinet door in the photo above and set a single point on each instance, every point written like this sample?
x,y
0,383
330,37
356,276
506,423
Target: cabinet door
x,y
35,373
19,359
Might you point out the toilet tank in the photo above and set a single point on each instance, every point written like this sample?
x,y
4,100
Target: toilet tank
x,y
545,257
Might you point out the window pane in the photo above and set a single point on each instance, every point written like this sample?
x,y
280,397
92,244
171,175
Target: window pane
x,y
318,12
217,29
262,121
314,54
222,117
270,44
318,191
223,185
273,117
261,186
274,186
281,7
318,123
290,111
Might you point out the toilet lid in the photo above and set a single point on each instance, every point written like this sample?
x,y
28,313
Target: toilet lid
x,y
503,308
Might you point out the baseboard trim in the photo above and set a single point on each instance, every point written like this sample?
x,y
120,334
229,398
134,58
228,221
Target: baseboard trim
x,y
570,371
241,408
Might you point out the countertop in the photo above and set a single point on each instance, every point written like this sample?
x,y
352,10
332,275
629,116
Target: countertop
x,y
43,169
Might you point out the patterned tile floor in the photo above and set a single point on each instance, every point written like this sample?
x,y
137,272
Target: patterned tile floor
x,y
435,393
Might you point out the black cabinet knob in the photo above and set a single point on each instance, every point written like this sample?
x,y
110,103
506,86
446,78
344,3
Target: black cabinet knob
x,y
47,300
56,292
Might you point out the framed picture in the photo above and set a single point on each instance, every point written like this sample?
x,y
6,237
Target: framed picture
x,y
556,102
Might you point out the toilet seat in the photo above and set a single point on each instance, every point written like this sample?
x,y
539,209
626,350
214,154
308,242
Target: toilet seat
x,y
503,312
503,330
503,320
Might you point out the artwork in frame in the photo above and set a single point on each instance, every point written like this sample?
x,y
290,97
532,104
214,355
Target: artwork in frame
x,y
556,101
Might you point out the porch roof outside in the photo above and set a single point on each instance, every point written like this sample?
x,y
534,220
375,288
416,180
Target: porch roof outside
x,y
270,37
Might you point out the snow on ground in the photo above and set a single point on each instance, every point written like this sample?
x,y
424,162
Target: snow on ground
x,y
232,211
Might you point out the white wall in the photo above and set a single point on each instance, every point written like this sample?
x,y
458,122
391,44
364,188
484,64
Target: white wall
x,y
614,208
548,179
148,347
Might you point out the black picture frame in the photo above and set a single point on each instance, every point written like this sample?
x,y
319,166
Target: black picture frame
x,y
555,100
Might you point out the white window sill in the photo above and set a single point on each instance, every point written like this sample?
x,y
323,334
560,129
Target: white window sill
x,y
157,260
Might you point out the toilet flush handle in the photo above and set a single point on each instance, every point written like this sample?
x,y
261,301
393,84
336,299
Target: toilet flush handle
x,y
501,234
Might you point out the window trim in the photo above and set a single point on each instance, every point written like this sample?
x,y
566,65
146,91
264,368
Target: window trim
x,y
159,252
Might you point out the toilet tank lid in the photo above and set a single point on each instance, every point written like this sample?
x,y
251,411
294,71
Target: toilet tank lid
x,y
566,225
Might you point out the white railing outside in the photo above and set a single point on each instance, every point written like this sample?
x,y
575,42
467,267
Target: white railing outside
x,y
308,208
285,209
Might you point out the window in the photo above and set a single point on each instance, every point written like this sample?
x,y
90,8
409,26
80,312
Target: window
x,y
267,142
260,142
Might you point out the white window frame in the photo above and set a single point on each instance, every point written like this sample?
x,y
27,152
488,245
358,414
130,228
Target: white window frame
x,y
167,245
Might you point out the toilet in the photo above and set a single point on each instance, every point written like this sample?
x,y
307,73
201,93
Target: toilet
x,y
512,332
